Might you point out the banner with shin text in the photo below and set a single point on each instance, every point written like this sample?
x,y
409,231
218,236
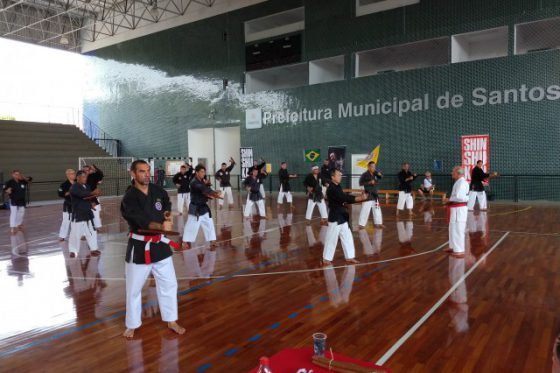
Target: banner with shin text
x,y
475,148
246,156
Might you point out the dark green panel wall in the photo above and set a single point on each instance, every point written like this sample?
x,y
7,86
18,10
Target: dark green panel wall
x,y
177,84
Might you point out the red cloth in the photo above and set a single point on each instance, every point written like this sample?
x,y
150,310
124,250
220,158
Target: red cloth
x,y
290,360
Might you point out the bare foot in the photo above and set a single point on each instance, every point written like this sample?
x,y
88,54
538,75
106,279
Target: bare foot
x,y
458,255
83,238
95,253
326,263
448,250
352,261
186,246
72,255
380,226
176,327
128,333
60,239
360,227
13,231
324,222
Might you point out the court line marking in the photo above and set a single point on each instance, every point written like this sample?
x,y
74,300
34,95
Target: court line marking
x,y
431,311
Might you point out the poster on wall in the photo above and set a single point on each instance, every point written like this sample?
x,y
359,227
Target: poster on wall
x,y
246,156
475,148
337,155
172,167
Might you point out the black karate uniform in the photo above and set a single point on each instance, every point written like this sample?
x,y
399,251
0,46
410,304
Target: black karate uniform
x,y
183,180
199,200
338,213
371,190
477,177
93,180
284,179
224,176
18,196
325,174
254,185
62,190
139,210
406,186
311,182
81,208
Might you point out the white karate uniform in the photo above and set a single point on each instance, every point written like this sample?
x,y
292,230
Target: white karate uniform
x,y
193,224
183,200
311,206
375,208
458,216
249,207
482,202
405,198
262,191
166,287
65,225
97,216
16,216
77,231
282,194
226,195
335,231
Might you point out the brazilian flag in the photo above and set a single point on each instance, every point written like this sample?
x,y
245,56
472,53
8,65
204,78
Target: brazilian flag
x,y
312,155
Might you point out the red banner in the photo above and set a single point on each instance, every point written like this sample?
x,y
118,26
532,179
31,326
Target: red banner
x,y
475,148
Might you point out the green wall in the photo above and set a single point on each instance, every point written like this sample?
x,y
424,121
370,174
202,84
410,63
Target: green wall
x,y
157,87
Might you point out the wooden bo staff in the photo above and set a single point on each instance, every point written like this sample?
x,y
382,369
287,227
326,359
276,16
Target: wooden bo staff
x,y
342,367
158,231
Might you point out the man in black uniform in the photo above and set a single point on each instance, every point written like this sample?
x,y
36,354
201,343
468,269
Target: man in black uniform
x,y
94,178
82,216
252,184
262,174
182,181
369,180
325,175
285,190
477,187
16,188
64,192
147,206
338,221
223,176
405,189
199,211
315,196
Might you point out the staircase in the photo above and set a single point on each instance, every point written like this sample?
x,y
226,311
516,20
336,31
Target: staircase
x,y
43,151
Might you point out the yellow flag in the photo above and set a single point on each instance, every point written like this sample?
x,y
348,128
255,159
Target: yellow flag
x,y
362,163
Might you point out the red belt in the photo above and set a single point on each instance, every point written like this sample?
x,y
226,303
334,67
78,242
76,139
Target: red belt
x,y
452,206
154,239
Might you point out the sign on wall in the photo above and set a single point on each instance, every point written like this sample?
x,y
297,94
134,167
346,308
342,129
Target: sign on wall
x,y
246,156
253,119
475,148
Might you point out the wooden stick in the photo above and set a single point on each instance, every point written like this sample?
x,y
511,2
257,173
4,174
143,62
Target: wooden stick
x,y
157,231
90,197
342,367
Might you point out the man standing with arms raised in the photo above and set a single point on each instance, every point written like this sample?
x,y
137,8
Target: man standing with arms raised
x,y
223,175
146,206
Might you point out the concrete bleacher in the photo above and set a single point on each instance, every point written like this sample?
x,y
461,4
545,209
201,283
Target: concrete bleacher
x,y
43,151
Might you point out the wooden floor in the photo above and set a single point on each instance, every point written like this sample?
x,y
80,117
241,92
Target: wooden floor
x,y
407,305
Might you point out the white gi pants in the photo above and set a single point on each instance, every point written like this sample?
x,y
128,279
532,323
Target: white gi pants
x,y
374,207
78,229
226,194
262,191
97,216
335,231
457,227
16,216
193,224
249,208
166,287
65,225
183,199
282,194
311,206
405,198
473,195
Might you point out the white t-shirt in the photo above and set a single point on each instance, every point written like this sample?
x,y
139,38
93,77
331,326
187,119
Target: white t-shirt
x,y
427,183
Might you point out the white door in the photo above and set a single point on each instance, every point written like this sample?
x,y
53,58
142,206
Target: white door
x,y
357,171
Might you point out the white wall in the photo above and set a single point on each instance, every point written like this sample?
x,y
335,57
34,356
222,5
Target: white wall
x,y
201,145
228,142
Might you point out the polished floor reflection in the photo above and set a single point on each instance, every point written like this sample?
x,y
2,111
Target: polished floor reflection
x,y
263,289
